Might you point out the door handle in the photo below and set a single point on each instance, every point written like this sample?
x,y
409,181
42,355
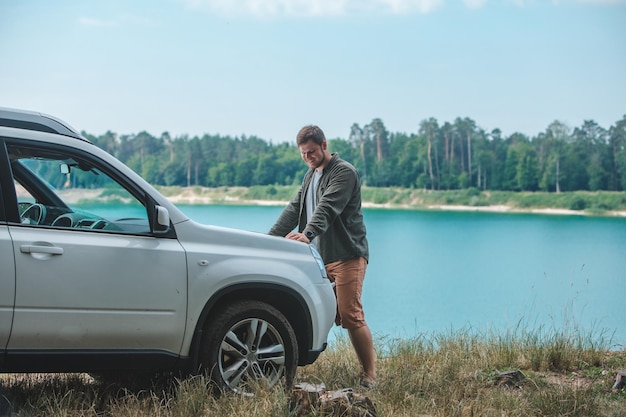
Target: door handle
x,y
50,250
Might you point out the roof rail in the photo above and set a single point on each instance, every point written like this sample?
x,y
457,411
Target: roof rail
x,y
29,120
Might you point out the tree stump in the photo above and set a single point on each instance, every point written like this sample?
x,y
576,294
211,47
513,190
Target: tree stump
x,y
345,403
304,397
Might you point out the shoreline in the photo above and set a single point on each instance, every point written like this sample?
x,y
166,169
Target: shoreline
x,y
203,200
187,196
509,209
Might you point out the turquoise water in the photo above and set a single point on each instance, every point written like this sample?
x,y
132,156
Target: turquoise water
x,y
436,272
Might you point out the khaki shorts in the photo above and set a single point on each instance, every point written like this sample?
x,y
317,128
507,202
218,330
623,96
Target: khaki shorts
x,y
348,277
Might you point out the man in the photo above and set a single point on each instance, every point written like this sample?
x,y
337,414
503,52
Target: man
x,y
327,211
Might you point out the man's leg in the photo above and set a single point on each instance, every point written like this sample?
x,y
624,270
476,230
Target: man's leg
x,y
348,277
361,339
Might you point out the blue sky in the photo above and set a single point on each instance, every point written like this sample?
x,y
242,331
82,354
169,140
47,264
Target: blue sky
x,y
268,67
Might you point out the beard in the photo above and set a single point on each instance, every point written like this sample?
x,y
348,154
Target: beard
x,y
318,162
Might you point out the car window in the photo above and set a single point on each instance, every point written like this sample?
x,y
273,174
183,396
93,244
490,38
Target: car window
x,y
60,190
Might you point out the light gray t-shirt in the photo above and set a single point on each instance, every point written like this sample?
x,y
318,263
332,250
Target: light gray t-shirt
x,y
311,198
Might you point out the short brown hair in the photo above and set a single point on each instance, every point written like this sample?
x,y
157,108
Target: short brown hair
x,y
310,132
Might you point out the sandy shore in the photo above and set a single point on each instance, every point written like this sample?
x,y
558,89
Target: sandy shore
x,y
488,209
509,209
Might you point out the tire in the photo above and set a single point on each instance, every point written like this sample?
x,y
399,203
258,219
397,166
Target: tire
x,y
249,342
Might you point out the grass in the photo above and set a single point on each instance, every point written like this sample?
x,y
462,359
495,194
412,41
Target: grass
x,y
437,375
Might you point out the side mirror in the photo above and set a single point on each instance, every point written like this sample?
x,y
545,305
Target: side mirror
x,y
162,223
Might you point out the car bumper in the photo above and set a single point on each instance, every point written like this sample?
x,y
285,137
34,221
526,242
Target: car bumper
x,y
312,355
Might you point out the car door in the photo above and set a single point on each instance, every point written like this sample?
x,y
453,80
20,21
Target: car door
x,y
91,290
7,262
90,275
7,284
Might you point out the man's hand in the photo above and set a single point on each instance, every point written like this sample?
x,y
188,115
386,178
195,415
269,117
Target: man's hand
x,y
297,236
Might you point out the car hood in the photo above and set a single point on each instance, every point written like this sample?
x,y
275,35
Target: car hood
x,y
192,232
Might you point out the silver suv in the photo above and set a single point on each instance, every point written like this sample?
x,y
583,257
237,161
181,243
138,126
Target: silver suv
x,y
100,273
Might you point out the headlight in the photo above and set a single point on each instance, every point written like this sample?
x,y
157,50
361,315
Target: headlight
x,y
318,259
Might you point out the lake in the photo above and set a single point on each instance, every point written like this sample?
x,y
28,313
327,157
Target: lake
x,y
434,272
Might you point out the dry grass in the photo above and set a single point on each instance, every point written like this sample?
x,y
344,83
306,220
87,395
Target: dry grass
x,y
440,375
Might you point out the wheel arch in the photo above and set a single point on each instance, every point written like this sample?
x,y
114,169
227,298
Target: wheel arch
x,y
288,301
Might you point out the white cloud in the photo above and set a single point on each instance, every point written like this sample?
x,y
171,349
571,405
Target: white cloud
x,y
522,3
318,8
602,1
474,4
308,8
409,6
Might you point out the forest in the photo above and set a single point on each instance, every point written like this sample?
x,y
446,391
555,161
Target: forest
x,y
450,156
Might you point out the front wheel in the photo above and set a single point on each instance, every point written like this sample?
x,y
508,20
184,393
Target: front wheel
x,y
249,341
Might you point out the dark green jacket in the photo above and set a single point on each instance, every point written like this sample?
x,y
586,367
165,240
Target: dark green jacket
x,y
337,220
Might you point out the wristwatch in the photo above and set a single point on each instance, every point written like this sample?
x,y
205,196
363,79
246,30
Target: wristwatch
x,y
309,235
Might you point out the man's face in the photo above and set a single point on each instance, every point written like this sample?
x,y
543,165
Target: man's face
x,y
313,154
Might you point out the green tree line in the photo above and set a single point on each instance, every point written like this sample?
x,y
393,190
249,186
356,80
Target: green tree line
x,y
449,156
